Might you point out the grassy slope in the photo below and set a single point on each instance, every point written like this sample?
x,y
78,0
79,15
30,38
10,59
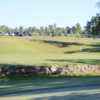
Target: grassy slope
x,y
15,50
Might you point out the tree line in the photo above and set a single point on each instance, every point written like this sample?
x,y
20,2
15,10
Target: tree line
x,y
91,29
50,30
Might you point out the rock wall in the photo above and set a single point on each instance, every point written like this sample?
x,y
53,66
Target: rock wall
x,y
69,69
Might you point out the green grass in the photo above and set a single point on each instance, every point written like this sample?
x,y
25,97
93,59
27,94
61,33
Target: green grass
x,y
48,51
71,91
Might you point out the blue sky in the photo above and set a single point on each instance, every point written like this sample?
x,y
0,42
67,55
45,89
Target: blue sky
x,y
43,12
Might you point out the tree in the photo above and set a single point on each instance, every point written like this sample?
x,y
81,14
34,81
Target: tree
x,y
78,28
73,29
21,29
51,30
42,30
93,26
4,28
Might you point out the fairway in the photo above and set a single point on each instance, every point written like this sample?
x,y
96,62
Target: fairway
x,y
48,51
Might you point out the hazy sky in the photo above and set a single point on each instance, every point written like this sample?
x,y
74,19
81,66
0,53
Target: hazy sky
x,y
43,12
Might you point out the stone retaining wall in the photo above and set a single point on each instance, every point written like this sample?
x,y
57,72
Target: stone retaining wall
x,y
69,69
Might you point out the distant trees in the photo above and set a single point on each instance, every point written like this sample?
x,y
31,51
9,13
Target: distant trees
x,y
4,28
54,30
92,29
78,28
50,30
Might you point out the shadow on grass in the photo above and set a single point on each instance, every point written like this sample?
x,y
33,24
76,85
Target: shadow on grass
x,y
92,50
44,84
60,43
95,47
82,61
73,96
66,44
36,87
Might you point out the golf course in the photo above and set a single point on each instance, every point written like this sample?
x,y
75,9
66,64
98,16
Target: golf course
x,y
49,50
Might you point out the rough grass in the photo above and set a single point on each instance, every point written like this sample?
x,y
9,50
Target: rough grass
x,y
48,51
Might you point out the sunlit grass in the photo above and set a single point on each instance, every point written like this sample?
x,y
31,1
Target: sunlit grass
x,y
17,50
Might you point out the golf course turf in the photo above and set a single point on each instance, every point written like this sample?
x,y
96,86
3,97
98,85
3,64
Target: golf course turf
x,y
48,51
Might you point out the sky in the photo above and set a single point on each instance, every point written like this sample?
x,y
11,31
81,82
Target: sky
x,y
38,13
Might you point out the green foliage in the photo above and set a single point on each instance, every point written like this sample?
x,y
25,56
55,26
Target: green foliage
x,y
93,26
4,28
50,30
